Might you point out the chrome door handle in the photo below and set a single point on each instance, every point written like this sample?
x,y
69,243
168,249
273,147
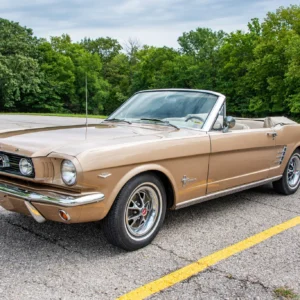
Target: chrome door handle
x,y
272,134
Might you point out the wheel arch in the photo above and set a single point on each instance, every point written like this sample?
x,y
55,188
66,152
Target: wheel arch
x,y
162,173
295,148
292,149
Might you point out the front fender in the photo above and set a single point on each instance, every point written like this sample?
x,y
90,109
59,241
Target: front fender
x,y
134,172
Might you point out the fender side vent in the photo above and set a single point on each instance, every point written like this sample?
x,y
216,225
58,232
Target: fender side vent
x,y
281,155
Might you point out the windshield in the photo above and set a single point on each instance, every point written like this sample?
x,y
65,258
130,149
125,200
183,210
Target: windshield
x,y
179,108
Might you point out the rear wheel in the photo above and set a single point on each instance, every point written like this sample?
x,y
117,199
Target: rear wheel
x,y
290,181
137,214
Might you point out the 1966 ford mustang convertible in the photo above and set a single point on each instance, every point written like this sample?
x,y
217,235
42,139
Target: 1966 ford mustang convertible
x,y
162,149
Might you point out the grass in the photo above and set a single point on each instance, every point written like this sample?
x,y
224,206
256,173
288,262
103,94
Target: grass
x,y
58,115
285,293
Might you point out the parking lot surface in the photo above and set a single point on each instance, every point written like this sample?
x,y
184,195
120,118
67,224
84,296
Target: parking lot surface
x,y
19,122
57,261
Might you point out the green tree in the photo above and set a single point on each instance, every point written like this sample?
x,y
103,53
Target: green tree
x,y
86,65
258,70
235,55
275,88
150,71
203,45
19,70
107,48
19,76
58,83
118,76
15,39
292,76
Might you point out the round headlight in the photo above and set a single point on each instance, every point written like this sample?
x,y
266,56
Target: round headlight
x,y
68,172
25,166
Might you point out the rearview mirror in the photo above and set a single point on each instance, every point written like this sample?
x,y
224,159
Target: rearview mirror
x,y
229,122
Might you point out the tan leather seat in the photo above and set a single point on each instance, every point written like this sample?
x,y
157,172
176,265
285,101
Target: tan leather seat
x,y
239,126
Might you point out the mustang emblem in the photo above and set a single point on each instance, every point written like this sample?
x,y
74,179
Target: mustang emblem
x,y
4,161
185,180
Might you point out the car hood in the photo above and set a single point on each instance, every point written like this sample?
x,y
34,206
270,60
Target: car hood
x,y
77,139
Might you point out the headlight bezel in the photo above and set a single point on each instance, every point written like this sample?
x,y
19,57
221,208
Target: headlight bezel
x,y
73,180
29,162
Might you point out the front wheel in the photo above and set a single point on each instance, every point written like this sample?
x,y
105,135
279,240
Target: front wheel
x,y
290,180
137,214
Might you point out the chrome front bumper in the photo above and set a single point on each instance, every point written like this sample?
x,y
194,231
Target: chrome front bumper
x,y
50,197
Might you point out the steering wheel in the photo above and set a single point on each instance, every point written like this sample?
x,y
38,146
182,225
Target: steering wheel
x,y
194,117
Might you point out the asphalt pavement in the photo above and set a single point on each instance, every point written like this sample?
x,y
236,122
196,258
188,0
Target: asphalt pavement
x,y
19,122
58,261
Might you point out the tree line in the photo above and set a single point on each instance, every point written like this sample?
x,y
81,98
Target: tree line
x,y
258,69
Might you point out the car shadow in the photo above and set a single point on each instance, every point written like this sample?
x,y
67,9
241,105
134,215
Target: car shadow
x,y
223,203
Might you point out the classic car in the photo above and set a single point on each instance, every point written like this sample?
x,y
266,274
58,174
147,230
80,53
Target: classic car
x,y
162,149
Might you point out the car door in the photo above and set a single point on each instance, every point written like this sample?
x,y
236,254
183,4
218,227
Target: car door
x,y
239,157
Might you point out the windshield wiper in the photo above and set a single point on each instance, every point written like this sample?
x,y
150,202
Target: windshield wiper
x,y
159,121
117,120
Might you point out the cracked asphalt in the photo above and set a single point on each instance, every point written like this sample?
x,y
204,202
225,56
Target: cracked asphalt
x,y
57,261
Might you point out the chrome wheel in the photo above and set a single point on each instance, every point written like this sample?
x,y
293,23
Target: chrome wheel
x,y
143,210
293,171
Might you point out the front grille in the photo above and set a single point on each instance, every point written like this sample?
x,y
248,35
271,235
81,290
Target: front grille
x,y
13,167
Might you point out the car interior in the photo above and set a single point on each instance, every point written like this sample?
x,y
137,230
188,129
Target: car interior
x,y
267,122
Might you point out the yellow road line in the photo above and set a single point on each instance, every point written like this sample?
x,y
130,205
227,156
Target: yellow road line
x,y
202,264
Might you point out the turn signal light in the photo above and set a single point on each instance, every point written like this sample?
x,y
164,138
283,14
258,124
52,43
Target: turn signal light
x,y
64,215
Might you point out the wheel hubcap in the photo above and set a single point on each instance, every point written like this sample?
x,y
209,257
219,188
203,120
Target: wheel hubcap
x,y
142,210
293,173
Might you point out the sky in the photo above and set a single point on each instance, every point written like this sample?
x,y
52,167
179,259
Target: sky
x,y
152,22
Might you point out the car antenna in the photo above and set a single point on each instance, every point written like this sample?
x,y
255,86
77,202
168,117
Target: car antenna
x,y
86,106
86,101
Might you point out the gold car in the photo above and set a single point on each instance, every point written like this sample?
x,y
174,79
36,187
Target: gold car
x,y
162,149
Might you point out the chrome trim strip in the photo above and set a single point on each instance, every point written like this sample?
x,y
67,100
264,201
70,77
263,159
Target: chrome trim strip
x,y
214,114
226,192
283,154
181,90
50,197
35,213
104,175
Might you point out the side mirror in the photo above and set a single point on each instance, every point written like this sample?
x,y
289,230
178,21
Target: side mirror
x,y
229,122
